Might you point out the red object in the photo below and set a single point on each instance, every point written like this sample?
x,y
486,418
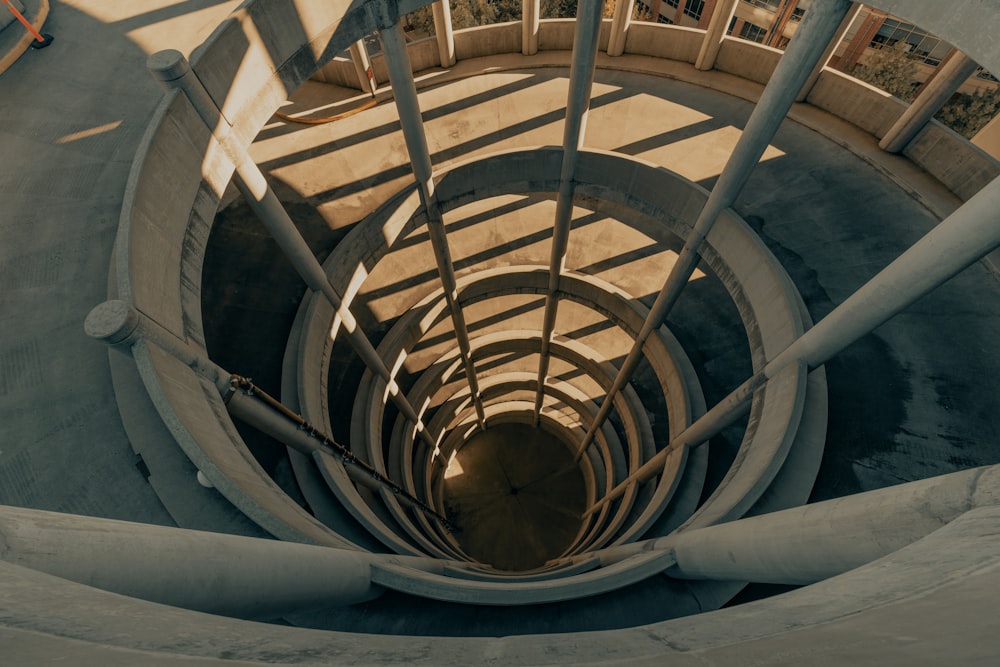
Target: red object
x,y
24,21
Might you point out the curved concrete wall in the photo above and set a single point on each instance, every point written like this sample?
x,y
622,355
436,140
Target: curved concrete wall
x,y
282,63
950,158
274,62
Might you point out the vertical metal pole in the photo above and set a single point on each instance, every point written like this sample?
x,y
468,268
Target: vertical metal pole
x,y
803,52
405,93
172,70
581,80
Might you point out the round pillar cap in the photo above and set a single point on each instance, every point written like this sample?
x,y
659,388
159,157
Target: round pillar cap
x,y
168,65
112,322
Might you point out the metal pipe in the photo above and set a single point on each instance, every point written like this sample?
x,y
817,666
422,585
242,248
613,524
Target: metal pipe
x,y
804,51
173,71
581,80
408,106
251,404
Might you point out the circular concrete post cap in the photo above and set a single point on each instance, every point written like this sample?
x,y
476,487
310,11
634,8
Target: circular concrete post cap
x,y
168,65
112,322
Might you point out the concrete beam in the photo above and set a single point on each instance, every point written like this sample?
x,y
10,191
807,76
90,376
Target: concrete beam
x,y
934,94
842,29
530,13
802,54
810,543
620,23
716,32
230,575
172,70
444,33
363,67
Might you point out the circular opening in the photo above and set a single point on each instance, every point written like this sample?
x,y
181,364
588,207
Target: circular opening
x,y
515,496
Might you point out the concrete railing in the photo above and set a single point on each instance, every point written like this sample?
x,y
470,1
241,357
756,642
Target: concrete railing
x,y
953,160
248,67
652,200
863,105
165,234
947,156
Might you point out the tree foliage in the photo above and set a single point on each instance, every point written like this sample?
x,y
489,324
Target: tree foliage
x,y
894,71
470,13
891,69
967,114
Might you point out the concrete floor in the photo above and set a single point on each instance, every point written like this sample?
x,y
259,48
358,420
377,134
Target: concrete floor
x,y
515,495
831,218
915,398
73,114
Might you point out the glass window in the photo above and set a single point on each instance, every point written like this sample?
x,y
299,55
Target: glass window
x,y
766,4
694,8
983,74
919,44
752,32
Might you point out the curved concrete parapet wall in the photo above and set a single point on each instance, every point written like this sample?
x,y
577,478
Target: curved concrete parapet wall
x,y
530,173
948,157
955,568
660,204
249,67
36,12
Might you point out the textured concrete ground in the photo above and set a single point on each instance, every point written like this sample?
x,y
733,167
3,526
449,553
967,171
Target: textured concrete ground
x,y
908,401
73,114
515,496
913,399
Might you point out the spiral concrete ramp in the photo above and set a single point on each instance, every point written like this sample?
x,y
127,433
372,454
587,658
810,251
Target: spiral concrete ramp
x,y
509,381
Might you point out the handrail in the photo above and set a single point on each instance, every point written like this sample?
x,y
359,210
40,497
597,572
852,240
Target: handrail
x,y
325,443
41,41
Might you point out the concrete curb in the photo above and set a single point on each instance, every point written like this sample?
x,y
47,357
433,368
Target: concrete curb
x,y
36,17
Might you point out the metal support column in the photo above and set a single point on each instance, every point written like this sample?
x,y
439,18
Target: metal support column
x,y
173,71
581,80
803,53
408,106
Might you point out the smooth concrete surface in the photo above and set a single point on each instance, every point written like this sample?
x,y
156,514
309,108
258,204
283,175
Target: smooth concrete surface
x,y
884,615
15,39
228,575
515,495
904,397
68,138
